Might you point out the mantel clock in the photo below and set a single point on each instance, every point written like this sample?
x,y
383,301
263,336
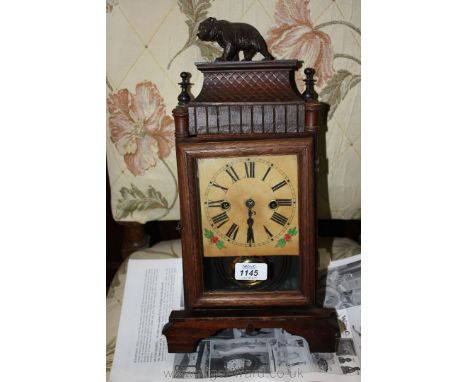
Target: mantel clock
x,y
246,156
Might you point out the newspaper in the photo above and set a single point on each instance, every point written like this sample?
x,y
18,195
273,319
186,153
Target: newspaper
x,y
350,321
339,285
266,354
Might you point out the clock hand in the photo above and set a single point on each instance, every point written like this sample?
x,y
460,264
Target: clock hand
x,y
250,236
250,221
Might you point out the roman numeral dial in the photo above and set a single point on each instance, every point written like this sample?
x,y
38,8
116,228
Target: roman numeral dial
x,y
232,231
278,218
220,219
270,235
220,187
232,173
249,169
249,203
277,186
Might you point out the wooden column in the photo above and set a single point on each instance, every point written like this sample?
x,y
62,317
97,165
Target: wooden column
x,y
181,122
134,238
313,109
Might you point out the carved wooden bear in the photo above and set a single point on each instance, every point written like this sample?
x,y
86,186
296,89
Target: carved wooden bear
x,y
233,38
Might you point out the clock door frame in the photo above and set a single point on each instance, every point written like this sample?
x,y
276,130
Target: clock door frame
x,y
188,151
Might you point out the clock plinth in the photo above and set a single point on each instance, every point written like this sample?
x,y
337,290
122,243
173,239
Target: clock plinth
x,y
246,162
318,326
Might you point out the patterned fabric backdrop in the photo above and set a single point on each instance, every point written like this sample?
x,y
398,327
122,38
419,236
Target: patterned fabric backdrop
x,y
149,42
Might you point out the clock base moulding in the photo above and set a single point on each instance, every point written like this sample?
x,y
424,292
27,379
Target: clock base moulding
x,y
318,326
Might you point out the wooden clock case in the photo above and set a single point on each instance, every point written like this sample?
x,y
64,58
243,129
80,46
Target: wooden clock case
x,y
248,109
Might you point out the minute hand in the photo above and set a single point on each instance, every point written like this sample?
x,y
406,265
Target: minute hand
x,y
250,234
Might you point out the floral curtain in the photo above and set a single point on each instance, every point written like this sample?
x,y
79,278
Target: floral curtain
x,y
149,42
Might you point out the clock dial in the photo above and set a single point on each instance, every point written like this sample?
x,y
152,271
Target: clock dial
x,y
255,218
249,205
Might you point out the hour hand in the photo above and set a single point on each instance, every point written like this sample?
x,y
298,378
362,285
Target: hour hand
x,y
250,236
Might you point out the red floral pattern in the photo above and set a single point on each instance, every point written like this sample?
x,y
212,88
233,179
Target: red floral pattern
x,y
295,37
139,126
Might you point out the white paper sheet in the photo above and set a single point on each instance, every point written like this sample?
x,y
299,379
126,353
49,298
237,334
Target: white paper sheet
x,y
152,290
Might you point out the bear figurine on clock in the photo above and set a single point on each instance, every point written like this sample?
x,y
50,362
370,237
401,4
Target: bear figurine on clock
x,y
246,157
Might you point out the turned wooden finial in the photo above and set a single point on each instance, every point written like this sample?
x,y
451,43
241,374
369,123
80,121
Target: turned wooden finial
x,y
184,96
309,92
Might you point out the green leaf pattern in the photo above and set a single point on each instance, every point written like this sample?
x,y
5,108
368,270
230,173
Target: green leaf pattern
x,y
133,199
110,350
196,11
337,89
208,234
281,243
292,231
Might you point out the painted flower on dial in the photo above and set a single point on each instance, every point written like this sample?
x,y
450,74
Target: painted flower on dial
x,y
295,37
287,237
139,126
213,239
